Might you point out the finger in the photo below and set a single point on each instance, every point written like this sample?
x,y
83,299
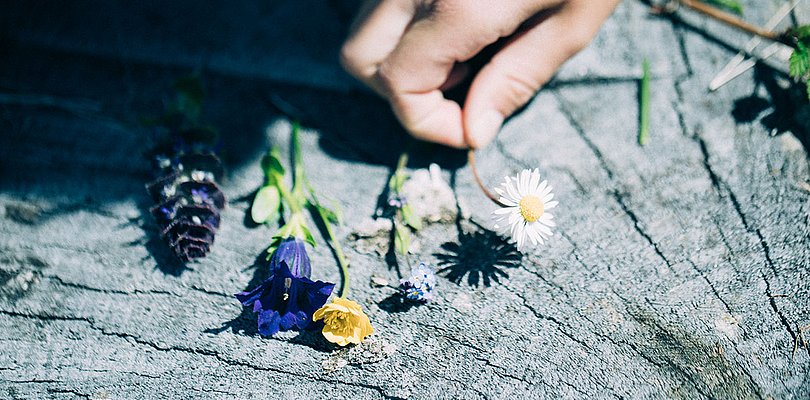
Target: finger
x,y
374,35
457,75
518,71
435,119
429,116
451,32
414,73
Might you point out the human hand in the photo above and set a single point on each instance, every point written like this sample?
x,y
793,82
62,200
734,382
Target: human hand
x,y
410,51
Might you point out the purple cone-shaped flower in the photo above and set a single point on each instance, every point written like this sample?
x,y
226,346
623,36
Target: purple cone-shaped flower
x,y
285,301
293,252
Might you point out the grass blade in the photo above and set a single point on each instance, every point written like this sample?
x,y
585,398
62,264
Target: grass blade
x,y
644,103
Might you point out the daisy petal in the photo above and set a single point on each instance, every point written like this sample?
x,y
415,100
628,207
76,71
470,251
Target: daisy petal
x,y
533,181
540,188
505,210
508,202
512,192
509,219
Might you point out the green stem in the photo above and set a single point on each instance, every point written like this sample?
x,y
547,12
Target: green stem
x,y
644,103
298,158
395,184
402,162
331,239
344,264
289,199
300,184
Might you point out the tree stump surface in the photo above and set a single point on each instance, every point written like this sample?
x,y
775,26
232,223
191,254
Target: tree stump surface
x,y
679,268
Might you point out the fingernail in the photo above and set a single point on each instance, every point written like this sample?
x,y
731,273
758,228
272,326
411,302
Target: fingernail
x,y
484,128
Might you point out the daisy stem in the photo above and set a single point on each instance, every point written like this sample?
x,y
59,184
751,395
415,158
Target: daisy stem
x,y
728,19
471,161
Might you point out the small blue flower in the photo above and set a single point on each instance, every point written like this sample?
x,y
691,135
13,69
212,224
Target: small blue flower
x,y
397,201
285,301
419,286
293,252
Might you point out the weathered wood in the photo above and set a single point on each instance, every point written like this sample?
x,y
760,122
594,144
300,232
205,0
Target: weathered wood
x,y
680,268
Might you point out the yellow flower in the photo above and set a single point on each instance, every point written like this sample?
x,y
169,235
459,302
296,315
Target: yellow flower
x,y
344,322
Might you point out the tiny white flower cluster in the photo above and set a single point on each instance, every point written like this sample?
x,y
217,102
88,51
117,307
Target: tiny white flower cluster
x,y
526,202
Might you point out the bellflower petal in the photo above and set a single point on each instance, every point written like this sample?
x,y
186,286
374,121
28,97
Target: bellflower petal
x,y
293,252
285,301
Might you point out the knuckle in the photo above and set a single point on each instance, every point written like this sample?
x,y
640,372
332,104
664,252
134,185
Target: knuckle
x,y
349,59
389,79
346,62
473,17
520,88
442,8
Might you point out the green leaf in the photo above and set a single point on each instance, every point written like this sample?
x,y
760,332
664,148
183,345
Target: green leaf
x,y
801,33
644,103
730,5
410,218
800,61
402,238
273,247
327,214
266,205
271,165
337,213
397,181
308,235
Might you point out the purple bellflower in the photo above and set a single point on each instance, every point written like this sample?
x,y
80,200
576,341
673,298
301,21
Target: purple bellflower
x,y
293,252
286,301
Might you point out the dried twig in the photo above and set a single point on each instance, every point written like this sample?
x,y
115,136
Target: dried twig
x,y
729,19
800,335
724,17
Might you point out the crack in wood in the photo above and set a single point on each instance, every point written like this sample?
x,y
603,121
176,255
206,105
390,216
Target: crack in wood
x,y
195,351
711,285
718,183
564,106
637,225
58,280
70,391
680,372
724,187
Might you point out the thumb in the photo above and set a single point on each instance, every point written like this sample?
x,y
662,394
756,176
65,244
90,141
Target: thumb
x,y
517,72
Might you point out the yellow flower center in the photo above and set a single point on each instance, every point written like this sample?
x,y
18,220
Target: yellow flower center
x,y
531,208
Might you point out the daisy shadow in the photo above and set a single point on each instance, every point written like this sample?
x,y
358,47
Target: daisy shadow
x,y
480,255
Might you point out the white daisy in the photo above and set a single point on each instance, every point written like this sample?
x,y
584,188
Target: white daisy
x,y
524,216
